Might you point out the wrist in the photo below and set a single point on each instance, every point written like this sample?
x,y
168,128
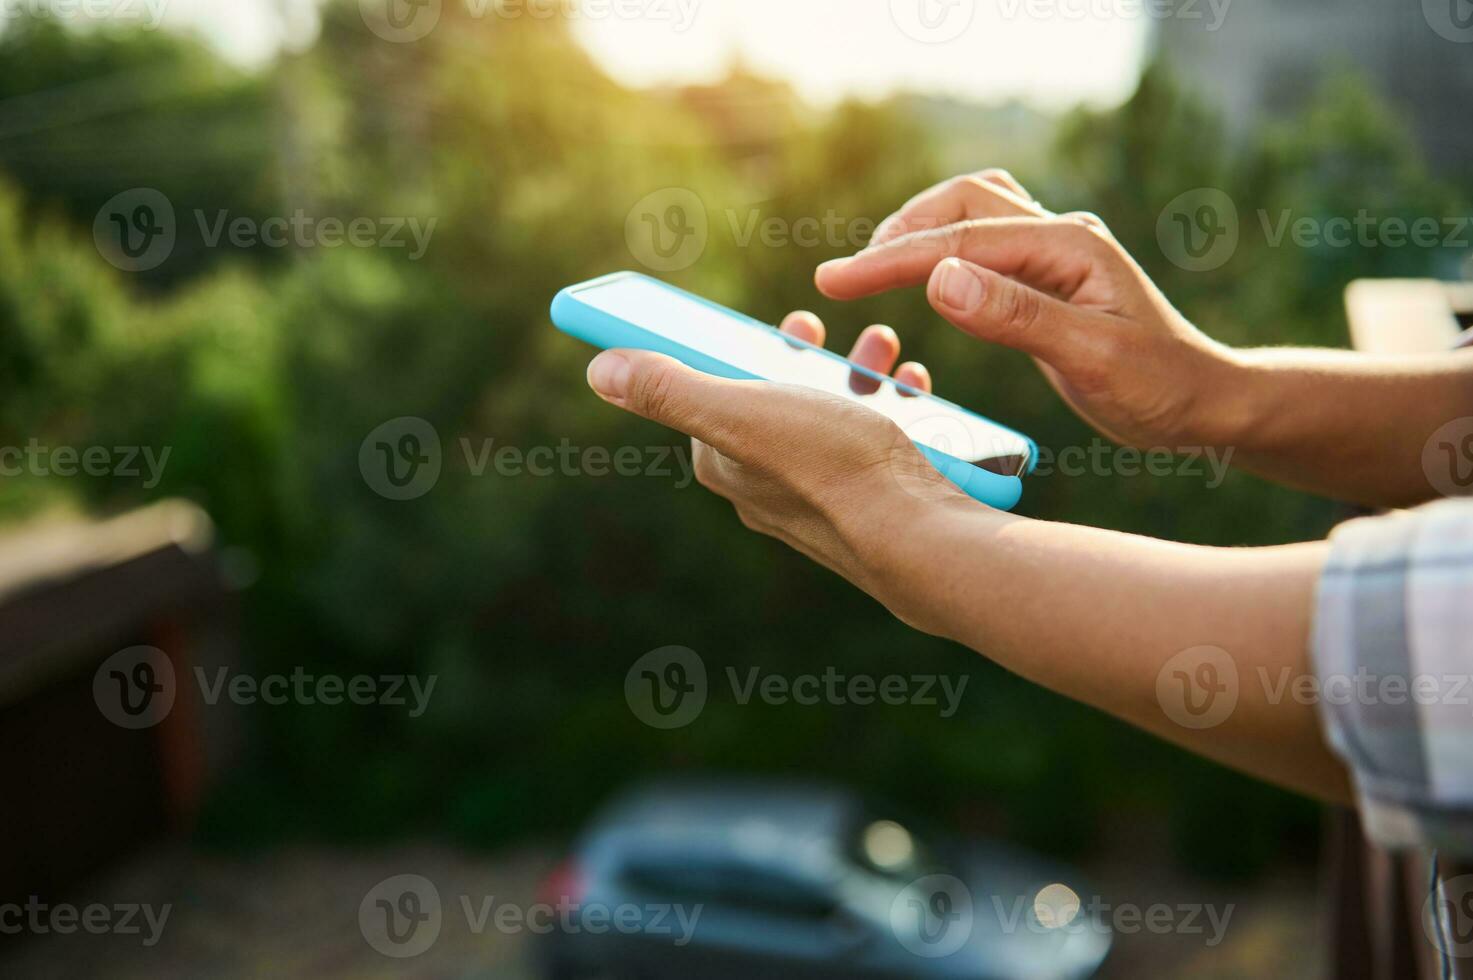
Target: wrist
x,y
1232,400
906,549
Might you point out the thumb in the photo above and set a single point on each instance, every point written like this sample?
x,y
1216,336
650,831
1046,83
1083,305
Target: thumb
x,y
714,410
995,308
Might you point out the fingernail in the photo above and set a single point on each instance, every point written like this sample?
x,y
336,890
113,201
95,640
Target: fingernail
x,y
960,287
608,374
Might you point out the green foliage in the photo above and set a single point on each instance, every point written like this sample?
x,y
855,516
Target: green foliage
x,y
529,598
87,115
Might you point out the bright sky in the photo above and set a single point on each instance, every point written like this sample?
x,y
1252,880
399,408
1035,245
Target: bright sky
x,y
832,48
1051,52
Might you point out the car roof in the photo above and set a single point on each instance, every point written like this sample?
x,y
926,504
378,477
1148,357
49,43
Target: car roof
x,y
792,828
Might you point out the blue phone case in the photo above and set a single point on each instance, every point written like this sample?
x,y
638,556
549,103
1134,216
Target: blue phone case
x,y
606,331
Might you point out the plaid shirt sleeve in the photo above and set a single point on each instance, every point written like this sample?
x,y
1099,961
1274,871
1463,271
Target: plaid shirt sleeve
x,y
1393,651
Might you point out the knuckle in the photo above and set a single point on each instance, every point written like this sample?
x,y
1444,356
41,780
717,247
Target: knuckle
x,y
958,239
748,520
1018,308
653,390
1113,347
1092,372
1089,220
996,175
707,469
1072,225
1089,239
972,184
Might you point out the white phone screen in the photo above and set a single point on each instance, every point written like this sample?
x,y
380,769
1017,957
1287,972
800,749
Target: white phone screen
x,y
738,341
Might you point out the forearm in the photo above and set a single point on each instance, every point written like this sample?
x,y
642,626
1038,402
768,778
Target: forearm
x,y
1097,616
1342,424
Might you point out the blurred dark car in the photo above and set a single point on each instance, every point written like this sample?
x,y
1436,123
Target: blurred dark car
x,y
745,879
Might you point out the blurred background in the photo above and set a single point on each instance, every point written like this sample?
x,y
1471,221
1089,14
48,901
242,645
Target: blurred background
x,y
247,245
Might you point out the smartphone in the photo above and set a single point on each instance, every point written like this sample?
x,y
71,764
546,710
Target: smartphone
x,y
627,309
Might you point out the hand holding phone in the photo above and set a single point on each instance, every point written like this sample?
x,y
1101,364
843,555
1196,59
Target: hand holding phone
x,y
628,310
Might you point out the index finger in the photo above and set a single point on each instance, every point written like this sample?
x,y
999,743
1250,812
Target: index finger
x,y
989,194
1052,254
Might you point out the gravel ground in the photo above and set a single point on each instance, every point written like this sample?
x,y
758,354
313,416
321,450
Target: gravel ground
x,y
295,914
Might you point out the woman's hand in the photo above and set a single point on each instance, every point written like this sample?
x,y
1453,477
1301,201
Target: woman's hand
x,y
832,479
844,486
1060,288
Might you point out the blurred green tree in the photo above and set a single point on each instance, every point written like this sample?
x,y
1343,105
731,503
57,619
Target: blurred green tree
x,y
263,370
